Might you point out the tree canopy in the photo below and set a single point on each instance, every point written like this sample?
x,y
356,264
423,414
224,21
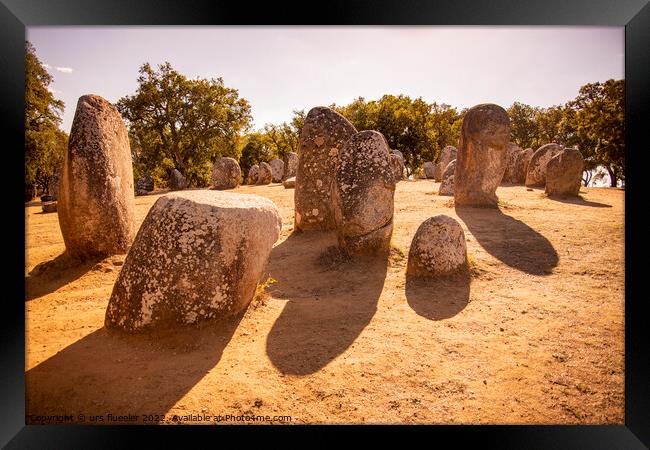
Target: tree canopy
x,y
45,143
182,123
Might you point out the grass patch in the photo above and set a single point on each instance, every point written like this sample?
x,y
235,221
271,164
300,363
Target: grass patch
x,y
261,296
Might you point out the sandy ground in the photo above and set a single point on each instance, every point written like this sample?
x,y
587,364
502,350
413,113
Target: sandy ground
x,y
535,335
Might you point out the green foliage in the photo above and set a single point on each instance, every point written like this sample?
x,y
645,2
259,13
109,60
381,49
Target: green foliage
x,y
181,123
414,127
45,143
255,151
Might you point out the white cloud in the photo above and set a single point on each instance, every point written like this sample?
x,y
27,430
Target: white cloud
x,y
64,69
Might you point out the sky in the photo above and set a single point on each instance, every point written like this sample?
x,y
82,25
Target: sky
x,y
281,69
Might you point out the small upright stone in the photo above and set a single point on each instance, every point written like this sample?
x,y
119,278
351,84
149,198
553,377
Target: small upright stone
x,y
144,185
177,181
290,165
514,154
398,153
397,165
277,170
363,194
198,255
55,181
438,248
49,207
289,183
96,201
429,170
482,155
536,174
564,173
253,174
447,184
226,174
323,135
447,155
265,175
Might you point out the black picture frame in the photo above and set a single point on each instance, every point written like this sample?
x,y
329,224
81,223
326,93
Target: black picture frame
x,y
16,15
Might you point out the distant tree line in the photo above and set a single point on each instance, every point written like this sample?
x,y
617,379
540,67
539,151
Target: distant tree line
x,y
175,122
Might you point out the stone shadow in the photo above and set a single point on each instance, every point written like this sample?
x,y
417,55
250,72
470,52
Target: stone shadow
x,y
50,275
109,371
578,201
331,300
438,298
510,240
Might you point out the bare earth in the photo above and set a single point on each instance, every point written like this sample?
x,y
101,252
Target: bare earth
x,y
535,335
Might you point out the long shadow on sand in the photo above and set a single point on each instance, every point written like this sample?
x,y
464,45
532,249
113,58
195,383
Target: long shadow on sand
x,y
578,201
50,275
439,298
110,371
510,240
330,301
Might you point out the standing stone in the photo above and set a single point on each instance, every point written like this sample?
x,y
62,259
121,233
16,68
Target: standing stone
x,y
482,156
447,155
447,184
290,165
277,170
517,165
536,174
55,182
514,151
398,153
289,183
49,207
429,170
438,248
323,135
397,165
96,201
226,174
144,185
564,173
177,181
198,255
253,174
265,174
363,194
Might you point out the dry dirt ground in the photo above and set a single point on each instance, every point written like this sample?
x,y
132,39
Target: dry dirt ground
x,y
534,335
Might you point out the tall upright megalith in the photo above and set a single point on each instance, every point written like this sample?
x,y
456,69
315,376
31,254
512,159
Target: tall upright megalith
x,y
363,194
96,200
323,135
482,156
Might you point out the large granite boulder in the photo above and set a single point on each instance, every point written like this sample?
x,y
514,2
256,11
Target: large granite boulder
x,y
144,185
447,184
429,170
323,135
482,156
265,174
177,181
397,165
447,155
363,194
96,201
564,173
438,248
289,183
253,174
536,173
277,170
226,174
290,165
198,255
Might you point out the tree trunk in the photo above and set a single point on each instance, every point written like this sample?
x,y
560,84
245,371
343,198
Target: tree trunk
x,y
612,176
587,177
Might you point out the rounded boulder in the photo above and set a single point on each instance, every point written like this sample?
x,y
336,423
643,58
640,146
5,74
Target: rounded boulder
x,y
226,174
536,172
198,255
438,248
277,170
564,173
